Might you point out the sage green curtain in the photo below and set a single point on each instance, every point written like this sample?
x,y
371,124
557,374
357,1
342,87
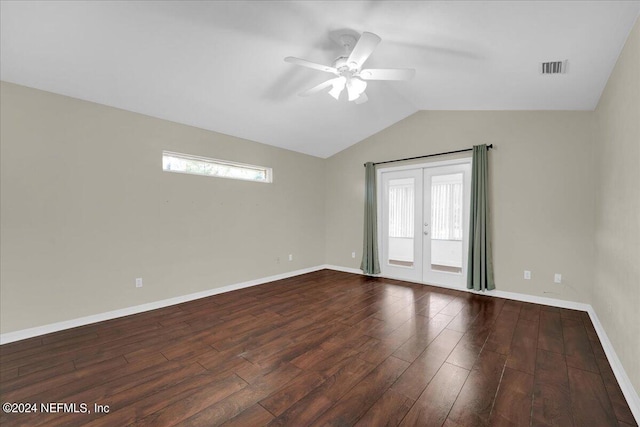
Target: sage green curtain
x,y
480,271
370,263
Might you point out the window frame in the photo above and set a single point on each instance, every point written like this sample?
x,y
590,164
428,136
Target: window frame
x,y
267,170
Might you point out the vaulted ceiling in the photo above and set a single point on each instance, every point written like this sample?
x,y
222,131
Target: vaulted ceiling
x,y
219,65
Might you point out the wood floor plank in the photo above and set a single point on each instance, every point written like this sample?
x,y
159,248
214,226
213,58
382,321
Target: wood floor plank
x,y
513,401
184,349
321,329
415,379
9,374
465,353
27,348
552,395
375,351
295,390
454,307
513,306
387,411
589,399
360,311
588,325
549,308
324,348
314,404
577,346
58,389
254,416
32,389
220,363
435,402
37,377
431,304
85,355
471,344
301,345
240,401
530,312
424,334
209,387
125,391
466,317
499,340
620,406
352,405
567,313
522,354
550,331
21,346
322,357
391,323
598,350
192,404
475,401
257,337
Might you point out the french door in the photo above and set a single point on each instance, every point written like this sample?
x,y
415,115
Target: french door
x,y
424,221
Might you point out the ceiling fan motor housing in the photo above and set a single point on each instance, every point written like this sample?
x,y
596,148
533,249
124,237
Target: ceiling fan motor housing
x,y
344,68
348,67
348,41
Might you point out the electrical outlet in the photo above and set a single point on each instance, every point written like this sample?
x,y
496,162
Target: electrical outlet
x,y
557,278
290,257
353,254
527,274
139,282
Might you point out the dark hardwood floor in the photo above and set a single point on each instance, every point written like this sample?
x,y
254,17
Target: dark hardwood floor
x,y
325,348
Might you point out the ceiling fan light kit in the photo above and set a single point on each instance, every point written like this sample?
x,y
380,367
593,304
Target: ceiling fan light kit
x,y
338,87
348,68
355,88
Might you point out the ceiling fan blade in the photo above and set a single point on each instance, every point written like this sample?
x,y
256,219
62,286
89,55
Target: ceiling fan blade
x,y
319,87
387,74
363,49
362,98
309,64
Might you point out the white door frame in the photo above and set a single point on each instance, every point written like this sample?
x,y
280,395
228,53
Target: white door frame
x,y
444,278
412,273
380,216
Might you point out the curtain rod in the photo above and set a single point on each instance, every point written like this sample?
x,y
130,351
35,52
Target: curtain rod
x,y
490,146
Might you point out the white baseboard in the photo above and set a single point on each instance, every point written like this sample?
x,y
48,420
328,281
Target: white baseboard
x,y
536,299
630,393
633,399
343,269
494,293
74,323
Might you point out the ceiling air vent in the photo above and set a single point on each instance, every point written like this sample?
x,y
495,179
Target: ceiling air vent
x,y
553,67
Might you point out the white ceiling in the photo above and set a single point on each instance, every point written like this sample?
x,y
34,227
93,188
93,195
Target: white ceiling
x,y
219,65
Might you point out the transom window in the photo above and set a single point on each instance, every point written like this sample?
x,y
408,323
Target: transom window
x,y
196,165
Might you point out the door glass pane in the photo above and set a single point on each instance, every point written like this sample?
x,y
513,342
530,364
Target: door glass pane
x,y
446,223
401,221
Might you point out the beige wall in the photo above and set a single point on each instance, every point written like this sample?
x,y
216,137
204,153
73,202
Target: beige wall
x,y
617,231
86,208
541,182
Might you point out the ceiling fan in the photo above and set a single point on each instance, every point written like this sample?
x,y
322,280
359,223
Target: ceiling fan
x,y
348,68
